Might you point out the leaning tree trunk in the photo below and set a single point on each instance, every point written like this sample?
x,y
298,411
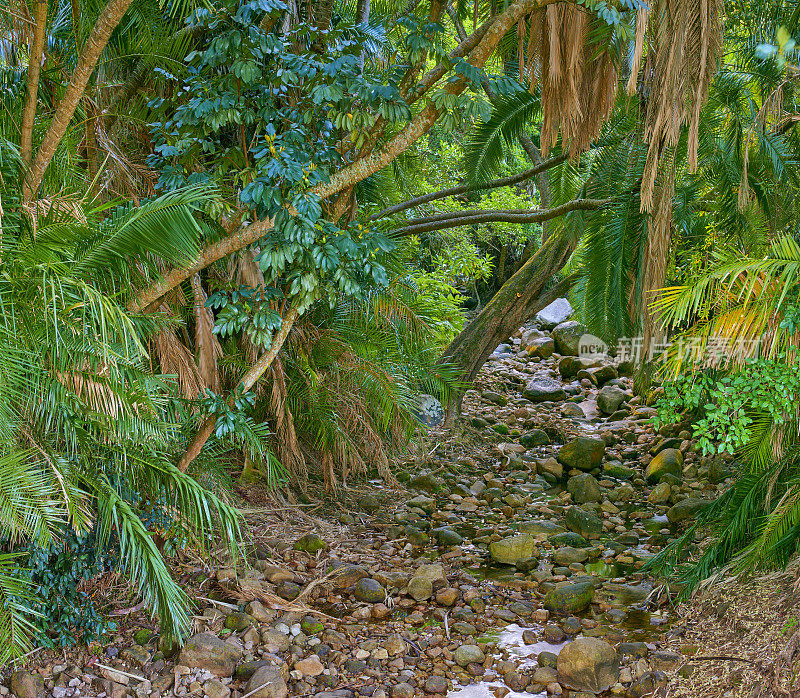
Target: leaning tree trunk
x,y
107,21
515,303
39,16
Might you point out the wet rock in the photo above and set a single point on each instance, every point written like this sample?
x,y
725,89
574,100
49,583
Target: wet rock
x,y
534,438
569,597
540,527
647,684
584,488
436,685
369,591
554,314
310,543
665,661
660,494
609,398
509,551
583,523
553,634
545,675
601,375
468,654
547,660
582,453
347,575
569,366
633,650
685,509
426,482
422,583
551,467
570,538
267,682
567,336
616,469
570,409
447,536
669,461
423,503
207,651
26,684
566,556
542,388
542,347
588,664
515,681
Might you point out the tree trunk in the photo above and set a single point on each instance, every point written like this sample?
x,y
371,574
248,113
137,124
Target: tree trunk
x,y
514,304
108,20
39,15
248,381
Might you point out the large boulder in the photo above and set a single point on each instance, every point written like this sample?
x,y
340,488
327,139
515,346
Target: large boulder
x,y
267,682
542,388
609,398
584,488
542,347
567,336
583,523
207,651
588,664
582,453
569,597
685,509
26,684
554,314
666,462
509,551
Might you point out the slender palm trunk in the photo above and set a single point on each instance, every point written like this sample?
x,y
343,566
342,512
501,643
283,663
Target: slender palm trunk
x,y
108,20
39,15
248,381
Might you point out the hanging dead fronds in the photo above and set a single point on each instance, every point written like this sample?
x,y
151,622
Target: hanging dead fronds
x,y
577,79
287,446
685,43
175,359
206,344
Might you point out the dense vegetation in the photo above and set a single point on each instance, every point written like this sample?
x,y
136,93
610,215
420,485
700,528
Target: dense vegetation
x,y
238,237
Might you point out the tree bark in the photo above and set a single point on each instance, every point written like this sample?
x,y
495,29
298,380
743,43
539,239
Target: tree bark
x,y
39,15
515,303
358,170
108,20
248,381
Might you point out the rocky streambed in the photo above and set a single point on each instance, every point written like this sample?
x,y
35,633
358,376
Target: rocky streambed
x,y
511,568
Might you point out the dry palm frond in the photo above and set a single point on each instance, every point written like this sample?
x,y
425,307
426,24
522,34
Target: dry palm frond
x,y
686,39
642,18
175,359
287,446
577,86
206,343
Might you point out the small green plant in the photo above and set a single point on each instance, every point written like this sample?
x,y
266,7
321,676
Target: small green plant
x,y
790,626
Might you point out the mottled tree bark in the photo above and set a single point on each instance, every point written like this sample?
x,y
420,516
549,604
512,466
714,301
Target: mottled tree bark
x,y
39,16
108,20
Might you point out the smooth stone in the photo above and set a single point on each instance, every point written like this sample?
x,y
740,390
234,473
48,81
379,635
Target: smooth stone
x,y
542,388
588,664
567,336
570,597
582,453
584,523
509,551
207,651
686,509
267,682
666,462
584,488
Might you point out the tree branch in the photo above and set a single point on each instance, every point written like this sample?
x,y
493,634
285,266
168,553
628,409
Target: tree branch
x,y
107,21
447,220
466,188
34,69
356,171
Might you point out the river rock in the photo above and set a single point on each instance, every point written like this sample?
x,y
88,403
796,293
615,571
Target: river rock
x,y
542,347
310,543
369,591
207,651
567,336
685,509
536,437
569,598
666,462
609,398
267,682
422,584
469,654
566,556
540,527
542,388
26,684
588,664
583,523
660,494
509,551
584,488
582,453
554,314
